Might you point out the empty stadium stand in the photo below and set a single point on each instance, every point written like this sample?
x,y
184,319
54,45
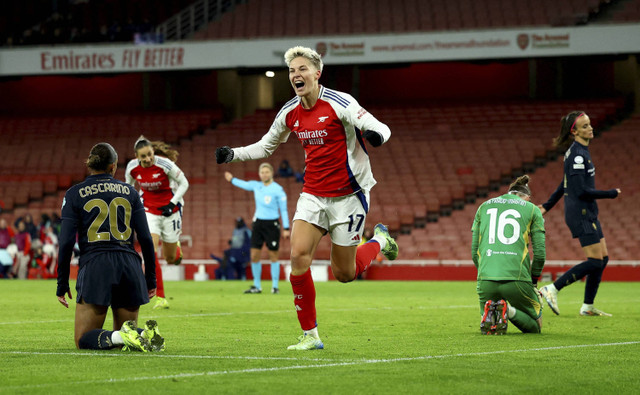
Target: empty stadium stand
x,y
621,12
43,156
446,161
45,22
278,18
449,237
431,175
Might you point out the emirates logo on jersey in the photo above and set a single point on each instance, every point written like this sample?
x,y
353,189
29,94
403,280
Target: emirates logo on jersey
x,y
312,137
151,186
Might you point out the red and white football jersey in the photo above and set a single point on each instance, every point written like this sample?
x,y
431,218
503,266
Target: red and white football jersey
x,y
156,183
336,159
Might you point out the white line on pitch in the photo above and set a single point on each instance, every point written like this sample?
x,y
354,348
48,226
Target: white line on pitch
x,y
256,313
326,365
141,355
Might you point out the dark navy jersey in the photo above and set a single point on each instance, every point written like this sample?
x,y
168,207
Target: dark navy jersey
x,y
104,213
101,207
578,185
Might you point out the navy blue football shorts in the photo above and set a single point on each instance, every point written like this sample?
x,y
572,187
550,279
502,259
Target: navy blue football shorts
x,y
112,279
587,231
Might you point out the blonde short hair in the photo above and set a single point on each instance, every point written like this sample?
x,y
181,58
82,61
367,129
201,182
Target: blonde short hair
x,y
265,164
304,52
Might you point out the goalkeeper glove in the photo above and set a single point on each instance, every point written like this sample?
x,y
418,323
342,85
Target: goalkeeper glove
x,y
374,138
168,209
224,154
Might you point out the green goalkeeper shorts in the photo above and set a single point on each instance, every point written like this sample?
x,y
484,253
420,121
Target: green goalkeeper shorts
x,y
519,294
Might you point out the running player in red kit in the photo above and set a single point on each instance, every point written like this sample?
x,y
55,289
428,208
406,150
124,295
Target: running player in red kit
x,y
163,185
332,127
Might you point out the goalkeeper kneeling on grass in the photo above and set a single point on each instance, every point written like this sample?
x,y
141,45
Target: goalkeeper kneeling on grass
x,y
507,277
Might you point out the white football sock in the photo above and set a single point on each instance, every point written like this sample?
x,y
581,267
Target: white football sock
x,y
511,312
381,240
116,338
312,332
586,307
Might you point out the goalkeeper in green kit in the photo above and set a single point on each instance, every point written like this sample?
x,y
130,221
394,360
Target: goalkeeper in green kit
x,y
507,277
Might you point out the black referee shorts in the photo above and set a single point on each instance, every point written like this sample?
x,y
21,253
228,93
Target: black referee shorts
x,y
266,231
112,279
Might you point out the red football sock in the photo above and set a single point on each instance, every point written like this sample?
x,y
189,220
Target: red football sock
x,y
366,253
304,294
159,282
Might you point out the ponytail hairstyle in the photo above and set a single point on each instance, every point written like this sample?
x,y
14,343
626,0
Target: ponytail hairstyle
x,y
163,149
567,124
159,148
101,156
520,186
140,143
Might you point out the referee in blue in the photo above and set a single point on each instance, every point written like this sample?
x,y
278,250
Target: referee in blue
x,y
105,213
271,204
580,212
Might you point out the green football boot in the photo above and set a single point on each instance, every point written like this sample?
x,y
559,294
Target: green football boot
x,y
152,335
391,250
307,342
133,341
161,303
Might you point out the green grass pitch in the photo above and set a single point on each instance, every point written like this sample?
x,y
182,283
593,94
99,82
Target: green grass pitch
x,y
380,337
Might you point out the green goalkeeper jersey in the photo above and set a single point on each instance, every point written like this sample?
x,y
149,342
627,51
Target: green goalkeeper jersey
x,y
502,230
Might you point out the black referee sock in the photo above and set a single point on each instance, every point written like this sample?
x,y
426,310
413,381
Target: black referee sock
x,y
593,282
96,339
580,270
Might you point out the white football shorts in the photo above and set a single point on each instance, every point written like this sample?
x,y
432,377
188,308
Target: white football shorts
x,y
342,217
168,228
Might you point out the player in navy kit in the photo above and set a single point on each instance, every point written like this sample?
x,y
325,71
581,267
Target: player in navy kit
x,y
271,203
105,213
580,212
331,127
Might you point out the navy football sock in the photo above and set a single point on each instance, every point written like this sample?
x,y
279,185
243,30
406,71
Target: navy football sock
x,y
96,339
580,270
593,282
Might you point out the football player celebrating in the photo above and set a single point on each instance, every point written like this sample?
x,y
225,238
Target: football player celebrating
x,y
578,186
332,127
103,213
163,185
